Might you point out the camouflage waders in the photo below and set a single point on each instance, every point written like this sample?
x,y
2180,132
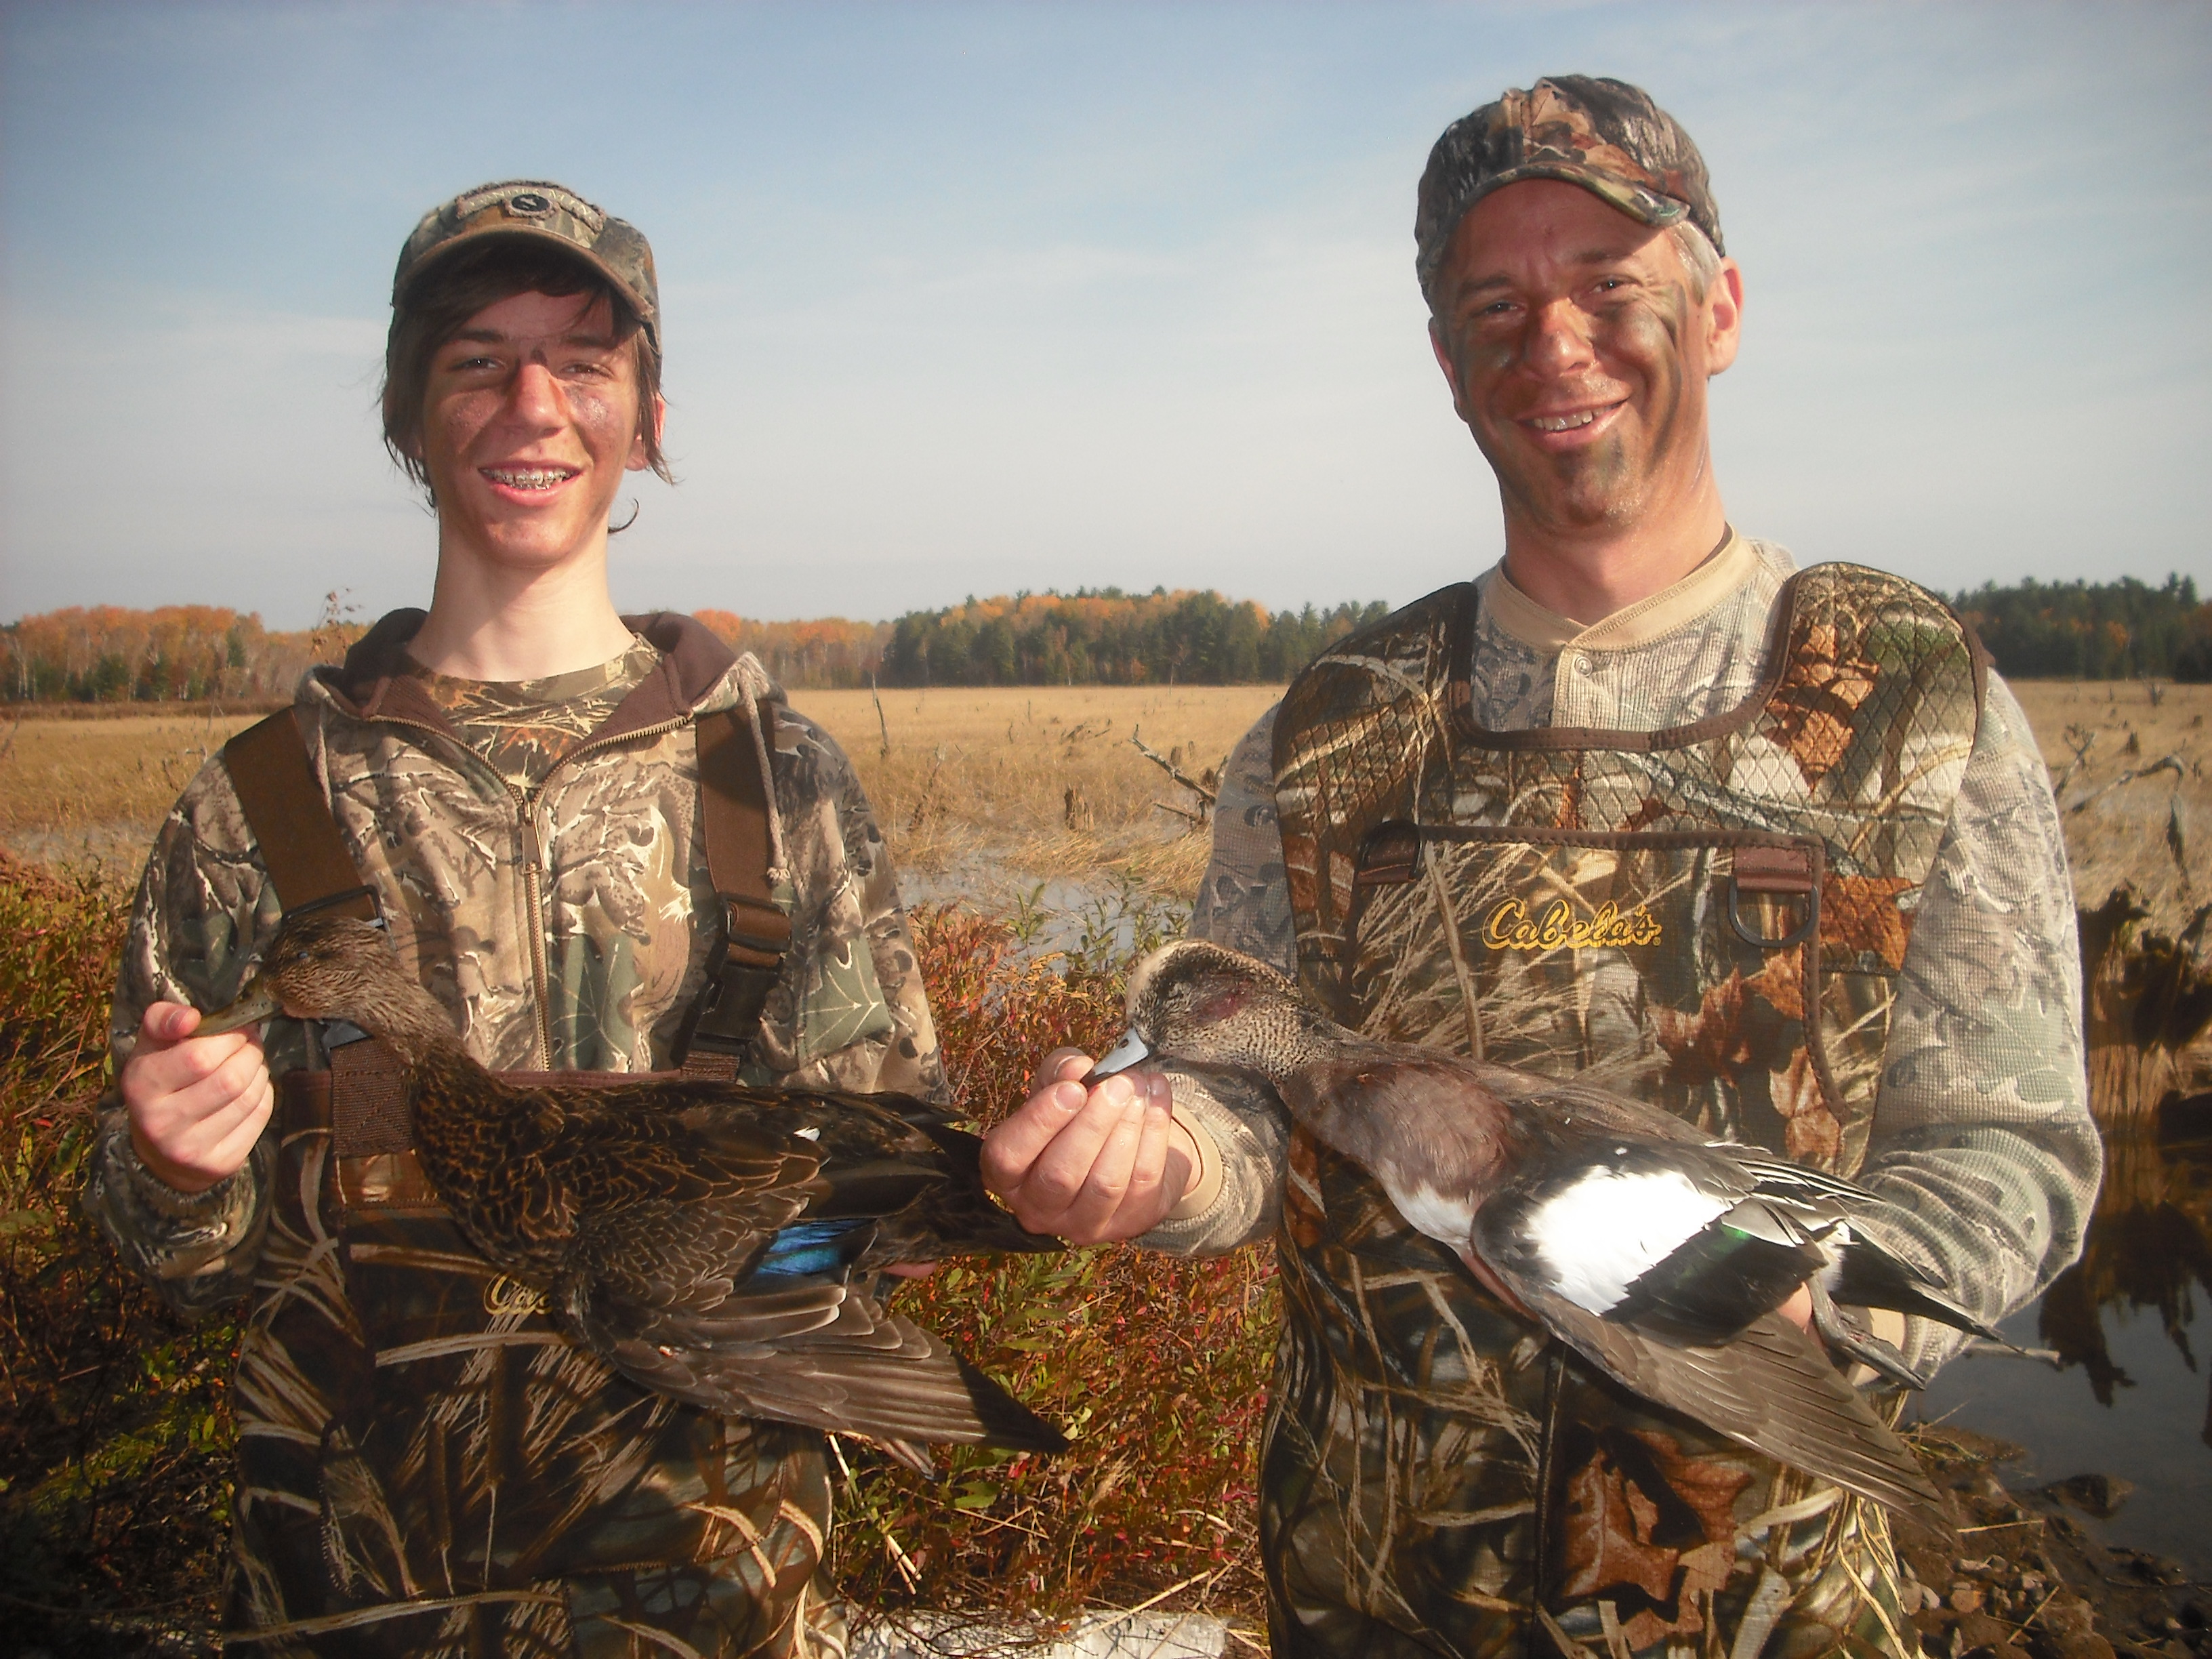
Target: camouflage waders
x,y
1710,918
415,1430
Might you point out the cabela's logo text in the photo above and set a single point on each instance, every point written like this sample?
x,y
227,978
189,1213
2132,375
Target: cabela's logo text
x,y
1510,927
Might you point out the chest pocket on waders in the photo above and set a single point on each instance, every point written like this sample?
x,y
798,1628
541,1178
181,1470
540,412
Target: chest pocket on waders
x,y
1679,967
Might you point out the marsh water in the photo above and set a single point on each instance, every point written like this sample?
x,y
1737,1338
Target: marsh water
x,y
2128,1391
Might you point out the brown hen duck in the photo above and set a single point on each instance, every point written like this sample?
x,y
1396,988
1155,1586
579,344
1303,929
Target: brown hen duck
x,y
718,1242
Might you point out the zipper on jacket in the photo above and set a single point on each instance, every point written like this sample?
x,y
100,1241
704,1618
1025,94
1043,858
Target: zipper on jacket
x,y
533,887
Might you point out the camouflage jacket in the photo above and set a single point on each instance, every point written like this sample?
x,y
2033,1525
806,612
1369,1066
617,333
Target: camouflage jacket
x,y
1393,1508
567,925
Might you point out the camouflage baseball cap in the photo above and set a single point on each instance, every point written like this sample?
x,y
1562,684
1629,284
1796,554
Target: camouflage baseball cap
x,y
1606,135
543,211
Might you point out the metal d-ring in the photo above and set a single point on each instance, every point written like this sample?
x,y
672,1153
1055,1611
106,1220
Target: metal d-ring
x,y
1798,936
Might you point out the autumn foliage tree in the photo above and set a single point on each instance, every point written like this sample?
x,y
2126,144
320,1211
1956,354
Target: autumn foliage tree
x,y
194,653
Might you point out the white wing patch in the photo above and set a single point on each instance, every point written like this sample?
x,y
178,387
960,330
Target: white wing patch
x,y
1599,1234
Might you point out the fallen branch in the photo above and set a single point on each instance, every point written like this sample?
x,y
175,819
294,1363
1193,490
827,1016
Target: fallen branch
x,y
1196,818
2169,763
1975,1345
1136,739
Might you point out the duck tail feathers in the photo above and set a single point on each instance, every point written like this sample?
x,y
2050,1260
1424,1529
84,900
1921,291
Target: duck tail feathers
x,y
1006,1423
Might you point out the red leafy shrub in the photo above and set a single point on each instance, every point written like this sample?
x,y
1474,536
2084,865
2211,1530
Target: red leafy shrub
x,y
114,1436
1157,1368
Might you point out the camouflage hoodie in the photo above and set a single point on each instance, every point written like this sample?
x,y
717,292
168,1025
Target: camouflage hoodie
x,y
556,923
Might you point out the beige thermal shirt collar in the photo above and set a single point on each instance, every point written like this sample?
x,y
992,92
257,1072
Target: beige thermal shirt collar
x,y
1691,648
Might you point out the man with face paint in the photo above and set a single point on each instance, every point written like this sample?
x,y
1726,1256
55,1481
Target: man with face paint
x,y
1646,803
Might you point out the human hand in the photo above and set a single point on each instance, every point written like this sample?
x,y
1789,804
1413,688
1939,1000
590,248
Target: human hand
x,y
1091,1165
1798,1310
196,1104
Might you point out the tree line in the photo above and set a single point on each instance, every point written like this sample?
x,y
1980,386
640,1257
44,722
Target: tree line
x,y
2120,630
112,653
1106,637
194,653
171,653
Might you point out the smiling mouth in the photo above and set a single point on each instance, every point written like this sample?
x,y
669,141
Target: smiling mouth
x,y
528,477
1564,423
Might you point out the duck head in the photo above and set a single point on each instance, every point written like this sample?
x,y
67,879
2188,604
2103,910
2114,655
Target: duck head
x,y
1207,1005
322,965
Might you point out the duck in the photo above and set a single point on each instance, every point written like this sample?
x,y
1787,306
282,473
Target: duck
x,y
1661,1255
714,1241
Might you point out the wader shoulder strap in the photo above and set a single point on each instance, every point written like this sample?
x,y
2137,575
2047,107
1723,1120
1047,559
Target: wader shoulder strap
x,y
733,808
308,861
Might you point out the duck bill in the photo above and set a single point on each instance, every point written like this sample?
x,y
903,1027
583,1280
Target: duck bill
x,y
255,1003
1127,1053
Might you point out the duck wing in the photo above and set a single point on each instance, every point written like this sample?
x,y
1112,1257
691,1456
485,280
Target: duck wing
x,y
1570,1104
743,1283
1771,1389
1670,1238
800,1339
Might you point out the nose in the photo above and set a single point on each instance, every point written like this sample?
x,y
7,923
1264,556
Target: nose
x,y
1559,340
533,396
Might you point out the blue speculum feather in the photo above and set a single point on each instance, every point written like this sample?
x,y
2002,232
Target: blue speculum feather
x,y
813,1247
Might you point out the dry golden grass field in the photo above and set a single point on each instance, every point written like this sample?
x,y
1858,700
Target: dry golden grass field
x,y
986,793
981,792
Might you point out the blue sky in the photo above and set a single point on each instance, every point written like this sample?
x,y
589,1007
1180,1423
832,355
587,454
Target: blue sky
x,y
968,299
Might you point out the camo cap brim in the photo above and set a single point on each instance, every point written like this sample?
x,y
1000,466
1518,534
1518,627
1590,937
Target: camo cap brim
x,y
1604,135
536,209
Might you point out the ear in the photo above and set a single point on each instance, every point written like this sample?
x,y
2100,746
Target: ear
x,y
1440,342
639,459
1723,317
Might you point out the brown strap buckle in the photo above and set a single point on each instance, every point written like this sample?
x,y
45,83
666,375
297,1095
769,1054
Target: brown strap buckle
x,y
751,927
1389,854
1775,871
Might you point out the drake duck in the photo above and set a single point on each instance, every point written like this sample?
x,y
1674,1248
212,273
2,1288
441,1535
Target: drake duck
x,y
717,1243
1660,1255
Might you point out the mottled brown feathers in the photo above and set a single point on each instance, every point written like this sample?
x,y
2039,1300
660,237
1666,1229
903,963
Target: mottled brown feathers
x,y
653,1213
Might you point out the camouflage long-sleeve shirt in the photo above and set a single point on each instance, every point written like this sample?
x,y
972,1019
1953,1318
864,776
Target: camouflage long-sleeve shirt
x,y
1981,1142
545,878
